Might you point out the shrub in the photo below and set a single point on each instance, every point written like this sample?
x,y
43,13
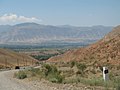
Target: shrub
x,y
52,73
72,64
55,78
47,69
82,67
20,75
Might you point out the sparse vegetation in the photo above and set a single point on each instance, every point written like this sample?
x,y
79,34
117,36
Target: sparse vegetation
x,y
91,82
49,72
72,64
81,67
52,74
74,72
117,83
20,75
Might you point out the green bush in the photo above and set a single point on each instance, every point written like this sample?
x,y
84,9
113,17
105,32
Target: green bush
x,y
47,69
55,78
51,73
81,67
72,64
20,75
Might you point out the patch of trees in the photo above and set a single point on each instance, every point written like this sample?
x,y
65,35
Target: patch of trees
x,y
43,57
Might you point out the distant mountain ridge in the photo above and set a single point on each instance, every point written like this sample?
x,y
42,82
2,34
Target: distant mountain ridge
x,y
33,33
104,52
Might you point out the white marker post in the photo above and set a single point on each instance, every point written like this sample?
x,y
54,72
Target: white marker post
x,y
105,74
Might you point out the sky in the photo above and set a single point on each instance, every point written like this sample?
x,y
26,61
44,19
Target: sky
x,y
61,12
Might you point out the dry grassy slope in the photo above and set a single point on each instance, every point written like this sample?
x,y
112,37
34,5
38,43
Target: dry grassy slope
x,y
107,50
13,58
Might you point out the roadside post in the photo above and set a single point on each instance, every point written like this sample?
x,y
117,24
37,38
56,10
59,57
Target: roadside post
x,y
105,74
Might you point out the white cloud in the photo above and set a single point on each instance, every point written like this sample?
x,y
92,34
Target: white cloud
x,y
13,18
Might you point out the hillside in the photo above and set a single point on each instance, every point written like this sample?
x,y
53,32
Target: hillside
x,y
32,33
9,58
104,52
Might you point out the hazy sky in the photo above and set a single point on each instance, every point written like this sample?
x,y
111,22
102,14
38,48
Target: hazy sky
x,y
61,12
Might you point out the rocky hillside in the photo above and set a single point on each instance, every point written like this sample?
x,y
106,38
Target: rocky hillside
x,y
106,51
32,33
9,58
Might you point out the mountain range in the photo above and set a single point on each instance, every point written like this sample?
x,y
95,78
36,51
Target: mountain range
x,y
33,33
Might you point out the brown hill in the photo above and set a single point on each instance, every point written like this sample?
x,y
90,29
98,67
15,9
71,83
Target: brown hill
x,y
105,51
9,58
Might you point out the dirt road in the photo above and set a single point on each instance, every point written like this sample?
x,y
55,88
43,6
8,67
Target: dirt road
x,y
7,82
